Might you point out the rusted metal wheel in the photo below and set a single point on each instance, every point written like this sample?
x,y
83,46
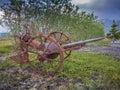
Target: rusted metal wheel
x,y
47,59
62,39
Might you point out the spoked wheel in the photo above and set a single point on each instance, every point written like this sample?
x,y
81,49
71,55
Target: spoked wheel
x,y
62,39
48,57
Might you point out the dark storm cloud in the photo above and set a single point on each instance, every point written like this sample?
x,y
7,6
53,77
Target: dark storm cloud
x,y
102,4
113,4
109,9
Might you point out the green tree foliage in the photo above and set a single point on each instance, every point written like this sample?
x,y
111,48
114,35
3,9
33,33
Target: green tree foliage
x,y
51,15
114,31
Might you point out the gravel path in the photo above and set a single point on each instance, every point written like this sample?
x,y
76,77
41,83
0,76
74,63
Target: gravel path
x,y
110,51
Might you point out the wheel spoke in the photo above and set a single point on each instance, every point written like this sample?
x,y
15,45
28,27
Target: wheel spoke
x,y
60,37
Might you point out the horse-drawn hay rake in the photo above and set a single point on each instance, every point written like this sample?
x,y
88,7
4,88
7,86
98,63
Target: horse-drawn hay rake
x,y
46,53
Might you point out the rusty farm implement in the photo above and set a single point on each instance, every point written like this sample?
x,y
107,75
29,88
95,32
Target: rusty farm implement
x,y
46,53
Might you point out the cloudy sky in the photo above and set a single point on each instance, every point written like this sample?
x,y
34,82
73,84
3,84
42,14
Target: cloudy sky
x,y
105,9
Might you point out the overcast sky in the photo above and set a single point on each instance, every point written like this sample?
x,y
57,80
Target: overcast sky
x,y
104,9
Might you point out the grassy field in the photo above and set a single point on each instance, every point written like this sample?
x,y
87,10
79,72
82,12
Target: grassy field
x,y
92,70
5,45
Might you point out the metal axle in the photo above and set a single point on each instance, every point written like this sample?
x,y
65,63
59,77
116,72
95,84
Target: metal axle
x,y
70,45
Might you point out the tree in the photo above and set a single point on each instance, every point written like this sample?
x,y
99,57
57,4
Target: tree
x,y
18,12
51,15
114,31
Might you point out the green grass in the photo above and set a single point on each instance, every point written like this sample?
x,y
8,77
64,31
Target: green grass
x,y
7,63
5,45
95,71
92,69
